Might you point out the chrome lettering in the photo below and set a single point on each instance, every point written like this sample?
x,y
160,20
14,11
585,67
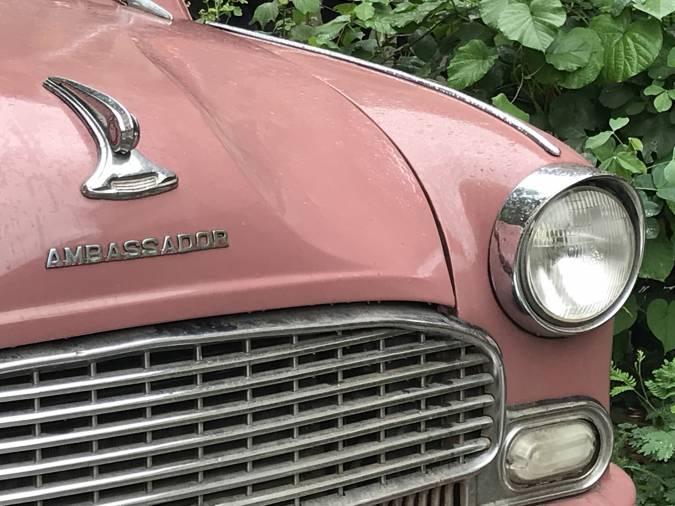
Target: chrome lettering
x,y
220,239
113,252
203,240
185,243
149,245
168,247
70,258
53,259
132,249
92,253
171,244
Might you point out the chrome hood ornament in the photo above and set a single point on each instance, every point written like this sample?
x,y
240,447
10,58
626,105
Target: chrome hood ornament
x,y
148,6
122,171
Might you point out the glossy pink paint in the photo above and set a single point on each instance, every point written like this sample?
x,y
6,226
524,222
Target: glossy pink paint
x,y
305,161
468,163
313,217
615,488
319,205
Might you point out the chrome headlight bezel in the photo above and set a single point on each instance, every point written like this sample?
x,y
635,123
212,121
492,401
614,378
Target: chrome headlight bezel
x,y
514,225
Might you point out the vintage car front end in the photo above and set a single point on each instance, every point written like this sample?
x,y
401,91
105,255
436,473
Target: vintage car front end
x,y
347,287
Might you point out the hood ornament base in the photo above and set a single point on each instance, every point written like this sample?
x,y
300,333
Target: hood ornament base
x,y
148,6
122,172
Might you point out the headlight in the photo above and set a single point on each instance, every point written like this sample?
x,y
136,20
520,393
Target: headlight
x,y
566,249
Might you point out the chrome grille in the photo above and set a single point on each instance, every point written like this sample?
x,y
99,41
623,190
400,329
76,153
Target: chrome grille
x,y
350,404
446,495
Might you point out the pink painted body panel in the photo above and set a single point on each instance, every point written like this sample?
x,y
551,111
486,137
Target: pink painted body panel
x,y
319,205
615,488
468,163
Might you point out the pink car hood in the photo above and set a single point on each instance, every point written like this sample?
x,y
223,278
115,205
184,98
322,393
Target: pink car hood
x,y
319,205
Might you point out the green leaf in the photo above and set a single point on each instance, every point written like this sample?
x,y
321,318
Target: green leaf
x,y
659,175
671,58
652,90
658,259
669,173
502,102
629,47
265,13
626,381
661,69
491,9
532,25
663,384
657,133
636,144
630,162
307,6
328,31
667,193
652,228
654,442
620,390
364,11
662,102
614,96
424,45
597,140
572,50
470,63
618,123
644,182
657,8
626,316
606,150
590,72
653,206
406,13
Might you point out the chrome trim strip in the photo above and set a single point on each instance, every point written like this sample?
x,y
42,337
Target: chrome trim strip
x,y
122,172
148,6
519,125
512,226
494,487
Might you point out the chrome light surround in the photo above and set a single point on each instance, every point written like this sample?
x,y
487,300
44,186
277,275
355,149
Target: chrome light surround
x,y
514,226
493,484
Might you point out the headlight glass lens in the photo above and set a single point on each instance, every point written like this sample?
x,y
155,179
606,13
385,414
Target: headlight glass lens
x,y
579,255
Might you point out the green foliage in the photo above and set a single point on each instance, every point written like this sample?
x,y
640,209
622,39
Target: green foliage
x,y
470,63
220,10
652,433
599,74
533,24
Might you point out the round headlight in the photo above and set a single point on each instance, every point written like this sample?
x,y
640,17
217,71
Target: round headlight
x,y
566,249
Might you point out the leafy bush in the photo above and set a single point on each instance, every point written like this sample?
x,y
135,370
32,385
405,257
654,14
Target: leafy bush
x,y
596,73
645,446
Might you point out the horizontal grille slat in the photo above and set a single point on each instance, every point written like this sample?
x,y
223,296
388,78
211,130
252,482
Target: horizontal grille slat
x,y
286,408
225,387
160,373
361,475
206,439
249,478
114,430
